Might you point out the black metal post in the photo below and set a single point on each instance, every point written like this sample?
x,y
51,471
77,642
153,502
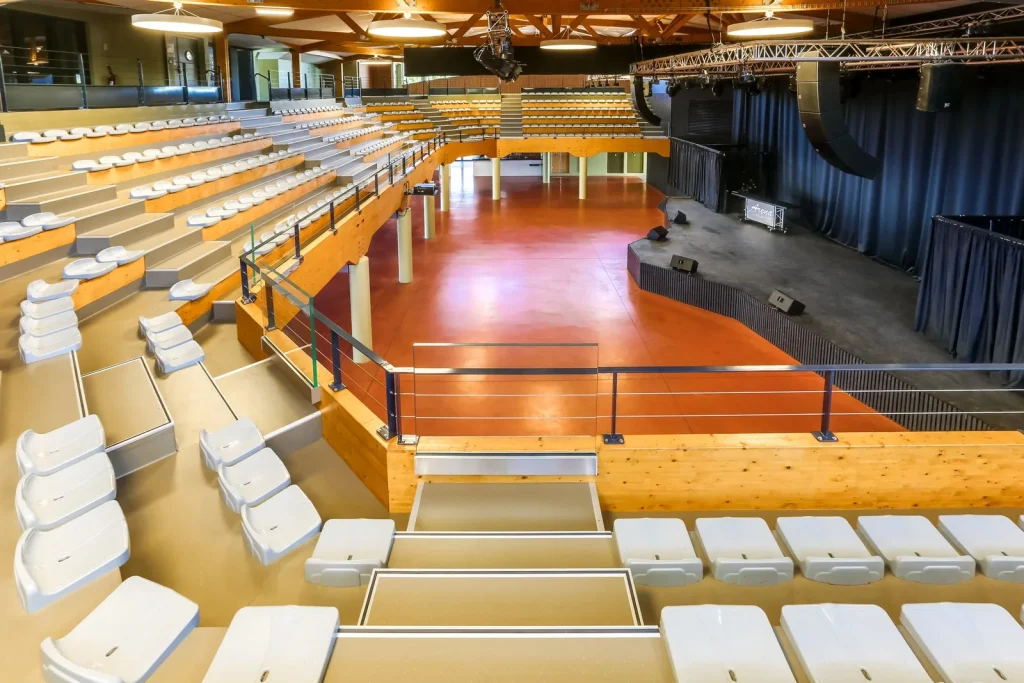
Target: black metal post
x,y
298,245
334,227
246,299
391,171
305,86
389,387
404,173
270,306
826,410
270,89
81,77
184,82
3,88
376,184
357,197
336,385
142,83
289,85
614,437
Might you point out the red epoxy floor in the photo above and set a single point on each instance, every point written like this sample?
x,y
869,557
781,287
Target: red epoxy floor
x,y
540,266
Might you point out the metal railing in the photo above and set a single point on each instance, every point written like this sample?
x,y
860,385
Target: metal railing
x,y
285,85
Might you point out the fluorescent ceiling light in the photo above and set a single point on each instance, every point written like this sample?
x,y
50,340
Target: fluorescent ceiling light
x,y
569,44
176,20
769,27
275,11
407,28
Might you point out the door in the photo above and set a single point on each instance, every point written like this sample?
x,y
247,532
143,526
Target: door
x,y
242,75
616,163
189,59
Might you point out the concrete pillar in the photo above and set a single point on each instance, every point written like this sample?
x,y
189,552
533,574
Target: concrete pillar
x,y
446,182
359,298
428,217
545,167
495,178
405,246
583,177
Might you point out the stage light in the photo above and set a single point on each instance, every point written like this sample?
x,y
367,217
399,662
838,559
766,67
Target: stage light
x,y
568,44
176,20
406,28
275,11
673,88
717,88
770,27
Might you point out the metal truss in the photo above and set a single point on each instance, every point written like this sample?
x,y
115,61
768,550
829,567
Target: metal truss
x,y
782,56
967,23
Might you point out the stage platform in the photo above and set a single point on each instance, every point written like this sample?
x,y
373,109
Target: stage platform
x,y
860,305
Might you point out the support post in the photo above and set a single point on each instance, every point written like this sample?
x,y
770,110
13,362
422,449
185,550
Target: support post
x,y
359,300
583,177
270,306
545,167
405,246
429,230
3,88
614,437
81,77
222,57
826,434
495,178
337,384
142,83
446,187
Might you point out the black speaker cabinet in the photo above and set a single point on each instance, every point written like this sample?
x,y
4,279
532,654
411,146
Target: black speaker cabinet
x,y
680,218
941,87
821,114
785,303
681,263
657,234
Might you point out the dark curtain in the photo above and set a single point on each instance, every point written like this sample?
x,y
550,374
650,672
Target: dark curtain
x,y
966,162
697,171
972,294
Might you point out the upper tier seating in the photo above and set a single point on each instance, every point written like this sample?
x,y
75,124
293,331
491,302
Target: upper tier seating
x,y
829,550
47,501
308,110
127,159
279,525
323,123
119,129
996,543
348,551
742,550
914,549
124,639
657,552
52,451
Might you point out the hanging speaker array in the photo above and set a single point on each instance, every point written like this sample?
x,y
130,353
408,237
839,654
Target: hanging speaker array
x,y
821,114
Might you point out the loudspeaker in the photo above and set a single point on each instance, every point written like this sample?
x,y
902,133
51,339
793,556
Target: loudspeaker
x,y
785,303
680,218
657,234
686,265
941,87
639,90
821,114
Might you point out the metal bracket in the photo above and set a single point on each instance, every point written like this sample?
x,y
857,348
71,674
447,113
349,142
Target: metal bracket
x,y
251,299
384,433
613,439
825,437
408,440
337,386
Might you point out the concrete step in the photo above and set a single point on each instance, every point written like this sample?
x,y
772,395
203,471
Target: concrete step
x,y
105,213
21,168
355,173
166,243
287,137
124,232
63,202
13,150
247,114
44,184
185,264
220,271
314,142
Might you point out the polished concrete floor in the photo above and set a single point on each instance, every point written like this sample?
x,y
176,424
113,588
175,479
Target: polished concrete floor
x,y
541,267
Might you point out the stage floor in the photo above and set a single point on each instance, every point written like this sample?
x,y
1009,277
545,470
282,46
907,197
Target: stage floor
x,y
860,304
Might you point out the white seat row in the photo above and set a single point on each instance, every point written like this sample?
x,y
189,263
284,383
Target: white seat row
x,y
328,122
285,229
354,133
308,110
131,158
117,129
585,135
743,550
170,341
48,323
579,125
207,175
34,224
104,262
578,116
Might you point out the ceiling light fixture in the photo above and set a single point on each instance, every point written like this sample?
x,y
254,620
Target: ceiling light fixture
x,y
275,11
406,28
770,27
176,20
568,44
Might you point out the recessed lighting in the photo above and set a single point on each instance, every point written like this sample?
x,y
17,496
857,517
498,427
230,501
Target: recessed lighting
x,y
275,11
569,44
406,28
769,27
176,20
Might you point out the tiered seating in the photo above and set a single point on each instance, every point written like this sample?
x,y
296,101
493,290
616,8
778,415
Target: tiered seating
x,y
829,550
389,106
743,551
914,549
995,543
45,501
308,110
353,134
303,218
579,113
471,115
324,123
378,148
184,149
34,235
348,551
658,552
212,174
48,324
118,129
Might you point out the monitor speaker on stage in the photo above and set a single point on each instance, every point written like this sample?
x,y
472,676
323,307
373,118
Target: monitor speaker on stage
x,y
680,218
785,303
683,264
657,234
821,114
941,87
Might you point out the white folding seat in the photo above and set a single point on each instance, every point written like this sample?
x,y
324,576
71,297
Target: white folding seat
x,y
52,451
146,192
61,135
158,125
47,501
137,157
829,550
914,549
47,220
170,151
41,290
228,170
89,165
180,357
743,551
168,187
967,642
47,326
33,349
116,161
253,479
188,123
230,444
45,309
723,643
200,176
187,290
141,127
50,564
30,136
213,144
202,120
657,551
186,148
240,166
279,525
124,639
248,136
174,123
11,231
168,339
158,323
348,551
996,543
186,181
87,269
286,643
119,255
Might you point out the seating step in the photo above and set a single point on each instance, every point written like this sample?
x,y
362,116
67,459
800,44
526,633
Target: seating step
x,y
291,136
314,142
44,183
247,114
13,150
270,128
105,213
167,243
187,263
124,232
357,172
62,202
21,168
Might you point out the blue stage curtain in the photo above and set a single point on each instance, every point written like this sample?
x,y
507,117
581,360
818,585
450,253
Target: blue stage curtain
x,y
966,162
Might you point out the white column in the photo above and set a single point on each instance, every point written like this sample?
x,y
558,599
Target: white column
x,y
446,182
545,166
428,216
405,246
583,177
359,298
495,178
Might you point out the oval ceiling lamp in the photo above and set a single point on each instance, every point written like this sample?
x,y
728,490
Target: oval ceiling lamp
x,y
568,44
770,27
176,20
406,28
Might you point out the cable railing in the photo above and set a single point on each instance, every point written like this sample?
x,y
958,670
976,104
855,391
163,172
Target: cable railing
x,y
285,85
495,389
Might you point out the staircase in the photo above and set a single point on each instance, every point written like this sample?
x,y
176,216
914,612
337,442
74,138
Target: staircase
x,y
439,120
647,129
511,115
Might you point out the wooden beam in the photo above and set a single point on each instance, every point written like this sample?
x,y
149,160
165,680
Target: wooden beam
x,y
645,28
466,25
352,24
355,48
556,23
538,24
673,27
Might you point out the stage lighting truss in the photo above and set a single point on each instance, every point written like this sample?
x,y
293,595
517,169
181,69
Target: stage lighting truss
x,y
496,54
965,24
767,57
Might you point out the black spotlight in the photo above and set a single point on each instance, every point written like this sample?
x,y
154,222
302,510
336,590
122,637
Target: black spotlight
x,y
673,88
680,219
717,88
658,234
